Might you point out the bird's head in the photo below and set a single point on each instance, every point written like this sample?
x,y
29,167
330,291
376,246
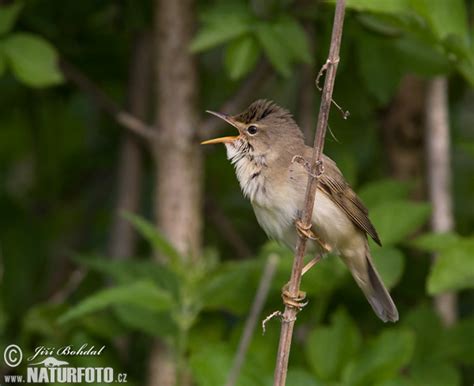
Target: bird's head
x,y
262,127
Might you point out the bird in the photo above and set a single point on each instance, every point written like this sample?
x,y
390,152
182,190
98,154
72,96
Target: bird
x,y
263,155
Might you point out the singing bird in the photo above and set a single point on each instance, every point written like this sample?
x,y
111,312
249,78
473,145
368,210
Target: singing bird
x,y
263,154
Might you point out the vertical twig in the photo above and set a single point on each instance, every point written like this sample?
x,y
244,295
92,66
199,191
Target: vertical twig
x,y
257,306
438,162
289,315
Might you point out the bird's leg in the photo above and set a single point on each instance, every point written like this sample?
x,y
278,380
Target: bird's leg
x,y
293,301
297,301
315,260
307,232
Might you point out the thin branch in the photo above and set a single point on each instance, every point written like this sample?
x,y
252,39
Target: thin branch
x,y
257,306
122,117
289,315
71,285
438,160
210,125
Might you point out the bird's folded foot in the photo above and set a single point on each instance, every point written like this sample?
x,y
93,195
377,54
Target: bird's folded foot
x,y
293,301
307,232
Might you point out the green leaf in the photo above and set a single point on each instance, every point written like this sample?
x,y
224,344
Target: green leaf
x,y
293,36
241,56
443,17
220,27
382,360
379,191
437,242
277,53
8,15
301,377
396,220
422,58
379,66
453,270
460,338
434,374
210,365
329,349
159,324
154,237
232,287
3,62
127,271
142,294
398,381
34,60
431,341
454,265
390,263
386,6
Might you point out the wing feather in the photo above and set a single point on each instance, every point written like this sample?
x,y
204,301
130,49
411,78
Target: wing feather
x,y
334,184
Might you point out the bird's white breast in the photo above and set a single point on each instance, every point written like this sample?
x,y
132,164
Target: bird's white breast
x,y
277,202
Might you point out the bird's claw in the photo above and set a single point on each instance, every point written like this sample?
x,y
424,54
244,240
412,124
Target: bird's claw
x,y
307,232
293,301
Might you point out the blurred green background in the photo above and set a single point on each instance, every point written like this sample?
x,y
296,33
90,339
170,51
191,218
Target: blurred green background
x,y
76,268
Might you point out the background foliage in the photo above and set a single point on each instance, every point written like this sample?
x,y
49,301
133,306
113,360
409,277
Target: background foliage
x,y
57,164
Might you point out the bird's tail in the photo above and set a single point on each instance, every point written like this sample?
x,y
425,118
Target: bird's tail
x,y
369,281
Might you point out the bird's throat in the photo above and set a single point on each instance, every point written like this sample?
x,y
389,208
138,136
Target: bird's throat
x,y
250,170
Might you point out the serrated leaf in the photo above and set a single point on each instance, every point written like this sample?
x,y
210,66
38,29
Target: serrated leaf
x,y
142,294
390,263
276,52
379,191
153,236
241,56
328,349
382,360
396,220
8,15
34,61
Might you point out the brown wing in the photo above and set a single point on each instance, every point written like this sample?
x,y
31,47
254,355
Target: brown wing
x,y
334,184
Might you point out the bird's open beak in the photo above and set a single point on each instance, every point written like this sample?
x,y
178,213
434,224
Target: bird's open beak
x,y
230,121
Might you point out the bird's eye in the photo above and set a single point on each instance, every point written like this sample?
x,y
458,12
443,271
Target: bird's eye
x,y
252,130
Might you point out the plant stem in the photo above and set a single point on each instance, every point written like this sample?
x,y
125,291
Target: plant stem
x,y
289,315
257,306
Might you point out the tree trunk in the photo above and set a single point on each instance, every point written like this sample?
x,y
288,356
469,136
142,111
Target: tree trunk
x,y
176,151
438,160
122,237
178,155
